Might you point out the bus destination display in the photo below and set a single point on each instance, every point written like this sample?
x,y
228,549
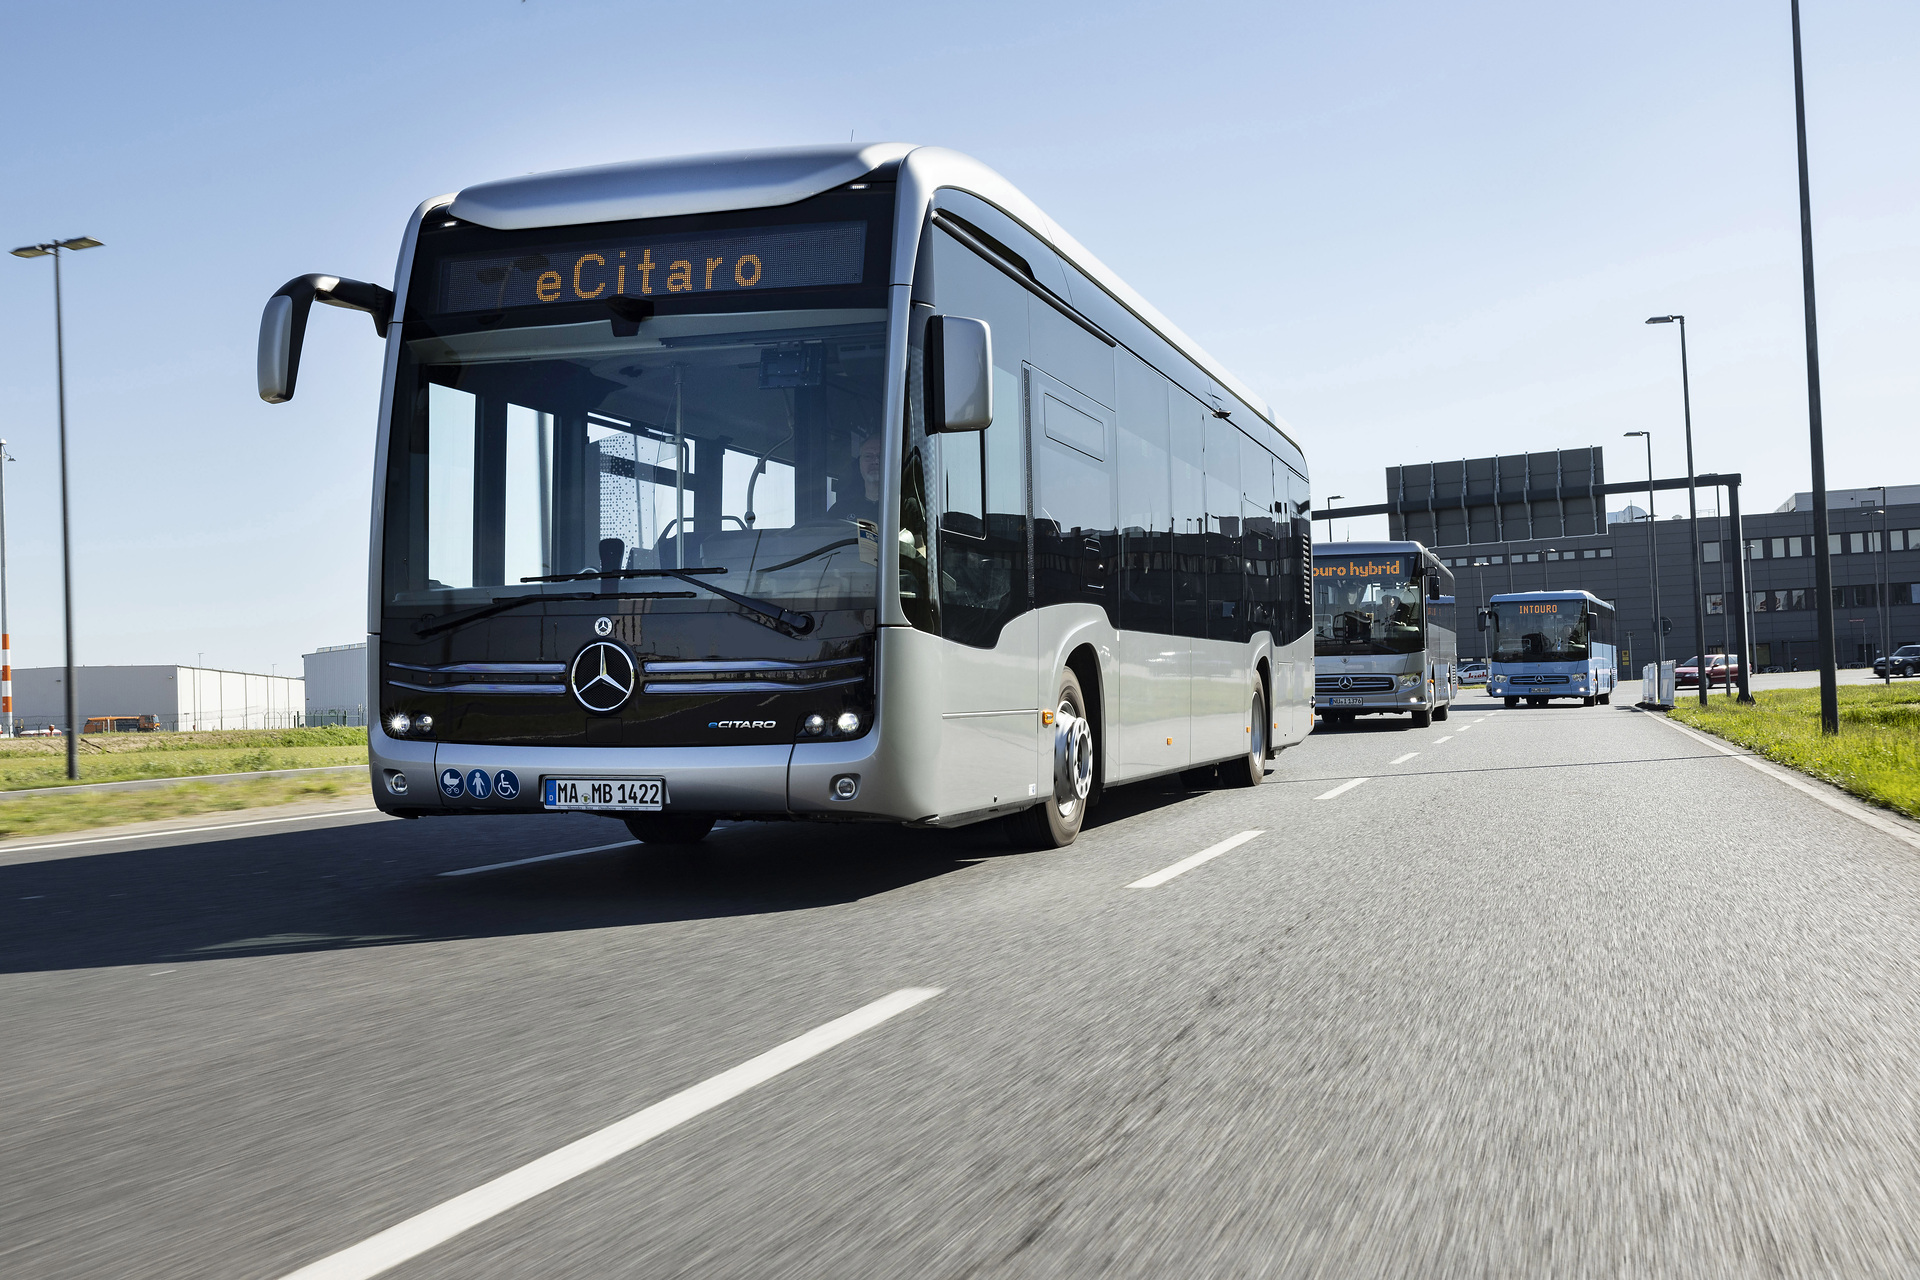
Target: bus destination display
x,y
1392,567
792,257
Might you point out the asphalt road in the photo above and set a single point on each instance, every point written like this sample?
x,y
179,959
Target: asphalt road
x,y
1552,992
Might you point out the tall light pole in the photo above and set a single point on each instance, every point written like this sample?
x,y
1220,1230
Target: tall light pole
x,y
52,248
1816,439
1693,512
6,636
1880,591
1653,552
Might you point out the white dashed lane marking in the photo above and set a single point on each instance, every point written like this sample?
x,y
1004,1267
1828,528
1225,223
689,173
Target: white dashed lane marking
x,y
443,1222
1207,854
1349,785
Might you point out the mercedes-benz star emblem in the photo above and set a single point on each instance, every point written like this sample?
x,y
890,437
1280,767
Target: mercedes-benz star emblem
x,y
1346,682
602,677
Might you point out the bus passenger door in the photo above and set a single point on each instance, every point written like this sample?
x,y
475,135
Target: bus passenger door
x,y
989,719
1149,734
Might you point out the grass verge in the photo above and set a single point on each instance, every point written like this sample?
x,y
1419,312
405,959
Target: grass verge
x,y
55,812
125,757
1876,754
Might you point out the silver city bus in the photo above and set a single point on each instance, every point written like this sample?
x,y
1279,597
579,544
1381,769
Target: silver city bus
x,y
1384,634
831,483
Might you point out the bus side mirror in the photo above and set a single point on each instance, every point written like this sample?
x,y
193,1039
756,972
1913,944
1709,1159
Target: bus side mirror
x,y
1481,616
959,374
283,325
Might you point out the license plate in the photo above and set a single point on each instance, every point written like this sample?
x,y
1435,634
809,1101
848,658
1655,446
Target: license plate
x,y
605,793
1345,702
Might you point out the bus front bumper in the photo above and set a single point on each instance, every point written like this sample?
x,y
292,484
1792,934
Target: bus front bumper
x,y
777,780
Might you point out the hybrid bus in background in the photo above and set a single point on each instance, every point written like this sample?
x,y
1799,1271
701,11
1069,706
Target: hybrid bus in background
x,y
834,483
1384,636
1551,644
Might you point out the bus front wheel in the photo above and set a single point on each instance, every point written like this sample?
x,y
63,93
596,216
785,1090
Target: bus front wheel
x,y
1513,702
1422,718
1055,821
1442,711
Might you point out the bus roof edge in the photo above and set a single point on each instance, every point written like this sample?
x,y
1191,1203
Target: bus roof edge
x,y
670,186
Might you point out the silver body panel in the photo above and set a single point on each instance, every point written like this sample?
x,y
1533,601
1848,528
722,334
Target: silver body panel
x,y
957,735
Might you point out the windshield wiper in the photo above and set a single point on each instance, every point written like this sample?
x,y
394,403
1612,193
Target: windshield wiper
x,y
431,625
761,611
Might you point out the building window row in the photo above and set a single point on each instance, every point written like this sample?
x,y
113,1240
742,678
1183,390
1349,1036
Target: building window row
x,y
1865,542
1528,557
1860,596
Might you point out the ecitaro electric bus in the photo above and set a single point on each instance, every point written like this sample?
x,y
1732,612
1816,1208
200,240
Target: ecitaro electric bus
x,y
834,483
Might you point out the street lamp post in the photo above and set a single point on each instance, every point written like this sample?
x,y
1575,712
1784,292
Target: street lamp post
x,y
52,248
1693,510
1653,553
1816,439
6,636
1880,592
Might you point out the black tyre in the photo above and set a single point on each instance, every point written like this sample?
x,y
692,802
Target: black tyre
x,y
1251,770
1422,718
1055,821
1513,702
670,828
1587,702
1443,711
1606,699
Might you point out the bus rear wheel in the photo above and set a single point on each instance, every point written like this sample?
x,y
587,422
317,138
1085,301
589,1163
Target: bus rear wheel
x,y
669,828
1055,821
1251,770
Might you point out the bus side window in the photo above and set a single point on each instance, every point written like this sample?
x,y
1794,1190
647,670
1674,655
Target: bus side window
x,y
1260,548
1298,595
1188,439
1145,516
1226,572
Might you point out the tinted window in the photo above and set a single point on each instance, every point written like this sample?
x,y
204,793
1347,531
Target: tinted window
x,y
983,526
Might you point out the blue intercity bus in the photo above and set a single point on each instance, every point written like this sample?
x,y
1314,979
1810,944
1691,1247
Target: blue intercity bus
x,y
1551,644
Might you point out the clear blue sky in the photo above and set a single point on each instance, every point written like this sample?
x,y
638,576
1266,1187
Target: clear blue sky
x,y
1421,231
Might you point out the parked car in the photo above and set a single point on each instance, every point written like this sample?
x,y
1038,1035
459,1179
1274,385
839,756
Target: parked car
x,y
1473,673
1905,660
1721,670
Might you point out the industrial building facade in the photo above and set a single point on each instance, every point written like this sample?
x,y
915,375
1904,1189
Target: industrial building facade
x,y
336,689
178,698
1874,549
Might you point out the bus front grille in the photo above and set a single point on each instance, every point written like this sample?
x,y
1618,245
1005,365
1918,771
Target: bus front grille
x,y
1353,684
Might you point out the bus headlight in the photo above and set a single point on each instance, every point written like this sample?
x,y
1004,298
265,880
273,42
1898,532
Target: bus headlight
x,y
1410,680
398,723
848,723
814,725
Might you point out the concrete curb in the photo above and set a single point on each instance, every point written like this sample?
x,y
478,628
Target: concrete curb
x,y
158,784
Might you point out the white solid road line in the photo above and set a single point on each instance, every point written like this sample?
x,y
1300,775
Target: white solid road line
x,y
545,857
1207,854
1403,759
1854,809
182,831
443,1222
1345,786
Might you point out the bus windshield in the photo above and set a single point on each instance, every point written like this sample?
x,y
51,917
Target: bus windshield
x,y
1541,631
1366,605
745,441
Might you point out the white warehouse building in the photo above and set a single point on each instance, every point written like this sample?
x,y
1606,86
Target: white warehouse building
x,y
178,698
336,684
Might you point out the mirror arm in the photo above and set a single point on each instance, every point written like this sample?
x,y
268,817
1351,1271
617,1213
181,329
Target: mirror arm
x,y
283,326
